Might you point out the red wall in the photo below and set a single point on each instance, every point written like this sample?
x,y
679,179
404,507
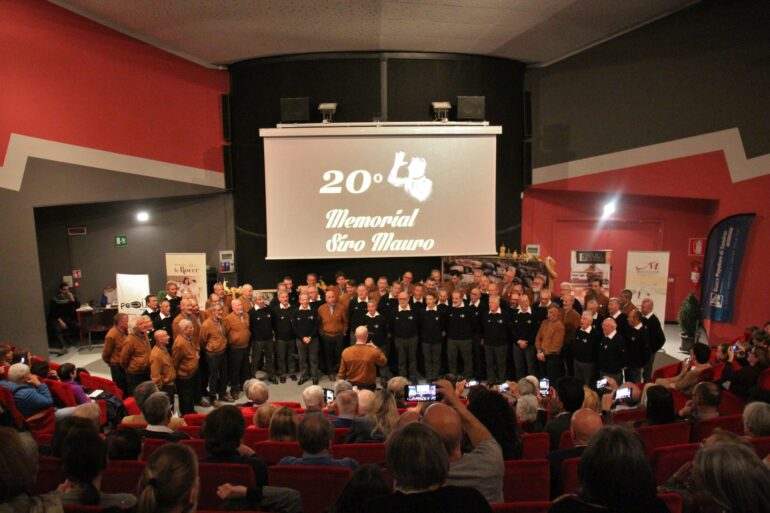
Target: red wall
x,y
71,80
683,197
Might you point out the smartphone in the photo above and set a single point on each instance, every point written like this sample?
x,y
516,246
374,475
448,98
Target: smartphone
x,y
23,359
736,348
505,387
471,383
329,394
623,393
421,393
545,387
602,383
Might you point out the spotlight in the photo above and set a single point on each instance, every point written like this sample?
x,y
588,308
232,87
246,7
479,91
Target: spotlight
x,y
142,217
609,209
441,111
327,111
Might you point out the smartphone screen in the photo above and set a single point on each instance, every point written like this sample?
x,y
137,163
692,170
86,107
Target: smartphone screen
x,y
505,387
421,393
602,383
329,394
471,383
23,359
623,393
544,387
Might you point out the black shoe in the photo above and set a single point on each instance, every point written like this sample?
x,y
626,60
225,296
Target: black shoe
x,y
283,379
301,381
315,381
273,380
293,377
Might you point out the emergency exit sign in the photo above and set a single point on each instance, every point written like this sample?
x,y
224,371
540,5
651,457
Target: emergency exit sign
x,y
121,241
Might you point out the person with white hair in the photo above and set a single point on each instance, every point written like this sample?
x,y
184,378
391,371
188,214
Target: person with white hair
x,y
30,395
257,392
756,419
341,385
135,354
314,398
360,361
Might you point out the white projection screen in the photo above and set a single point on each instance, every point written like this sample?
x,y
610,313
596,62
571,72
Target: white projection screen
x,y
380,191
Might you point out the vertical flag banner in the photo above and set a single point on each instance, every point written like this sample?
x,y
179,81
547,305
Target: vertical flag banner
x,y
132,291
586,265
724,254
647,278
188,270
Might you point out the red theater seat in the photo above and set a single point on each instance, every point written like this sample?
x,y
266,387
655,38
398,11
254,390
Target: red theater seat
x,y
96,383
763,381
8,402
288,404
213,475
568,475
677,433
667,371
194,419
131,406
703,428
193,431
761,445
253,435
273,452
196,445
633,415
667,459
673,501
62,393
526,480
150,445
731,404
362,453
535,445
50,474
122,476
319,486
565,441
131,426
339,435
521,507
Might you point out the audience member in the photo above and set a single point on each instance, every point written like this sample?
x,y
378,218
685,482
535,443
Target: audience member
x,y
89,411
340,386
704,404
169,482
257,392
591,399
531,418
29,394
740,382
18,473
346,406
66,374
84,459
419,464
283,425
566,398
397,387
365,398
377,424
314,398
492,410
615,477
689,376
141,393
584,425
315,434
263,415
756,419
157,411
660,407
123,445
366,482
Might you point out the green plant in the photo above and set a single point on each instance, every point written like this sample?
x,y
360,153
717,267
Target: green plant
x,y
689,314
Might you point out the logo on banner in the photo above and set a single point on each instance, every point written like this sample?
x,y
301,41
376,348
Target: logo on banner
x,y
650,268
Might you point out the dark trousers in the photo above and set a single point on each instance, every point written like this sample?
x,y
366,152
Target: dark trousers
x,y
585,372
170,391
185,388
568,357
465,349
134,379
385,370
633,374
495,356
283,356
217,374
118,374
238,364
647,371
479,357
407,357
333,346
554,368
198,387
524,360
308,354
431,354
203,375
264,348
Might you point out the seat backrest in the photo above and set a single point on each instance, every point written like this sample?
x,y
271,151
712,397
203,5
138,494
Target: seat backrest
x,y
194,419
673,501
50,474
273,452
535,445
213,475
339,435
150,445
763,381
122,476
319,486
569,480
131,426
62,393
676,433
566,441
680,398
666,460
95,383
667,371
288,404
526,480
702,429
8,402
193,431
197,445
731,404
254,435
631,415
42,422
761,445
521,507
362,453
131,407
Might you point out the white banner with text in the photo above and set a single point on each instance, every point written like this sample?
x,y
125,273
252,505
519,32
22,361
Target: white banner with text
x,y
188,271
132,291
647,277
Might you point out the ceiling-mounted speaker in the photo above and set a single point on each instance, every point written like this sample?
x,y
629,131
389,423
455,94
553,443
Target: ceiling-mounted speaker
x,y
295,110
470,108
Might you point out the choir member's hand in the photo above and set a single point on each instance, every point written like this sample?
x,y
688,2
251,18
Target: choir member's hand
x,y
523,344
228,491
541,357
306,340
245,450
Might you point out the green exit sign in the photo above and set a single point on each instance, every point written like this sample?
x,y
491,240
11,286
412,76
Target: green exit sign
x,y
121,240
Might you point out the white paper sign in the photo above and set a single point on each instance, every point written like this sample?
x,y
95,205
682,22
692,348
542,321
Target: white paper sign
x,y
647,277
132,291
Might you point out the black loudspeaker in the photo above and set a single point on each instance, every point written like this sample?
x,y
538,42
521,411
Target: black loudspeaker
x,y
527,115
527,157
294,110
227,158
470,108
225,104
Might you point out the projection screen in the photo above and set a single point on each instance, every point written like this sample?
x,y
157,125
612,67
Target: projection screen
x,y
379,191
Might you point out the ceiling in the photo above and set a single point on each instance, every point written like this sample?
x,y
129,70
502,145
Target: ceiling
x,y
220,32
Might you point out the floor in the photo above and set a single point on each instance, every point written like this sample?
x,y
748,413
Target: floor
x,y
290,391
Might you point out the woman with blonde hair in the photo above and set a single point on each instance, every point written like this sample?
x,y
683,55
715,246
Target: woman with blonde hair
x,y
591,400
169,481
378,423
283,426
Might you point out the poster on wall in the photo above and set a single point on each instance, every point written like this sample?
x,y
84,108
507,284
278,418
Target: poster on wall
x,y
188,270
132,291
647,277
493,267
586,265
724,254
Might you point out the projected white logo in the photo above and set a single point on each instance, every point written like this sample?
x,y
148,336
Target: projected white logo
x,y
417,185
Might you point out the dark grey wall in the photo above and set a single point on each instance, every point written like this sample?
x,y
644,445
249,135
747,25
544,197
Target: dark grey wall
x,y
703,69
46,183
201,224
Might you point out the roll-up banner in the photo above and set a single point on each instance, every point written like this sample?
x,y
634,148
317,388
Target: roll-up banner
x,y
724,254
188,271
132,291
647,278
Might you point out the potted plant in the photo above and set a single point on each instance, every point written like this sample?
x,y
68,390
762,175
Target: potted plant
x,y
688,321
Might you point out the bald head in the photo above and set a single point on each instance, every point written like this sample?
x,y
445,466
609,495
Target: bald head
x,y
585,424
365,398
446,422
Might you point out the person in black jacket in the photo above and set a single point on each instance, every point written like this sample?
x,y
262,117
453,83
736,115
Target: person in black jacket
x,y
377,324
611,358
525,327
262,343
404,326
164,321
284,335
172,298
474,306
432,324
586,349
305,325
637,346
357,311
496,335
62,316
655,331
615,313
460,329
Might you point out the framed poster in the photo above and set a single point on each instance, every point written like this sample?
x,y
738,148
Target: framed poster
x,y
586,265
